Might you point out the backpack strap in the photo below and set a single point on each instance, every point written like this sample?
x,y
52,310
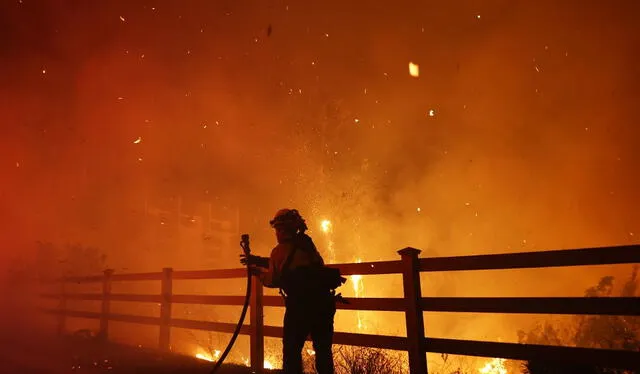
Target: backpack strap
x,y
285,268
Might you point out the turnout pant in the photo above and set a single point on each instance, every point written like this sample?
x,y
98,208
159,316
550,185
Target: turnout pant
x,y
303,317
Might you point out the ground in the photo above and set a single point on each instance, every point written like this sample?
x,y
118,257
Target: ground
x,y
49,355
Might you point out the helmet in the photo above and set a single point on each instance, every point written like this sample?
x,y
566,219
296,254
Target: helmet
x,y
289,217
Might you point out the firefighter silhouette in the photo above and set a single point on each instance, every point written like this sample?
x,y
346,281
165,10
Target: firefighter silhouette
x,y
308,287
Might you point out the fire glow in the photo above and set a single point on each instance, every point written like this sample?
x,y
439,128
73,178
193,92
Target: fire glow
x,y
495,366
209,357
216,354
358,287
325,226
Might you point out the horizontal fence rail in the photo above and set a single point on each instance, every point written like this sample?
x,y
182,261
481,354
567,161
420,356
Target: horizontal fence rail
x,y
629,254
607,358
611,306
412,305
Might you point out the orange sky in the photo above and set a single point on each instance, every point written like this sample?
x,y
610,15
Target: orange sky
x,y
533,144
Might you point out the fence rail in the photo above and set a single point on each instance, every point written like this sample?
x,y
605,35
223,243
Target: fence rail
x,y
413,305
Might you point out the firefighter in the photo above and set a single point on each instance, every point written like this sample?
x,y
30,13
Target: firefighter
x,y
297,269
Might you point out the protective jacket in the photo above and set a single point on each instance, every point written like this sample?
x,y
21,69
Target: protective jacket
x,y
295,253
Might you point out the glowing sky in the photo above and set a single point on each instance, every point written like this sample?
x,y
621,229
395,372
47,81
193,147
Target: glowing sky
x,y
518,133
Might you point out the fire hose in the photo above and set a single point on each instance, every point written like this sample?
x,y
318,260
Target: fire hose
x,y
244,243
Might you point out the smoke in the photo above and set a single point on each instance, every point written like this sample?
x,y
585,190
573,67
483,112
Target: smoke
x,y
518,134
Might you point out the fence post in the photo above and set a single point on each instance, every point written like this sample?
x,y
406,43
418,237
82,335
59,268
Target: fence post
x,y
165,309
257,326
62,308
106,305
413,310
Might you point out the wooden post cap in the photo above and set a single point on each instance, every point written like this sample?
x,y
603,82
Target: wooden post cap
x,y
409,251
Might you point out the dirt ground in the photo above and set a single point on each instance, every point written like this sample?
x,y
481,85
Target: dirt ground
x,y
48,355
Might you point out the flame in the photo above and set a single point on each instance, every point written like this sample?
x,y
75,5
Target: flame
x,y
414,69
325,225
358,287
208,357
201,356
311,352
495,366
267,365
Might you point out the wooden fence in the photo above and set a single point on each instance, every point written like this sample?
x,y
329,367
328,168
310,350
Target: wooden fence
x,y
412,304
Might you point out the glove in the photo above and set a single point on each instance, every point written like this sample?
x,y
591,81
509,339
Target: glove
x,y
340,299
252,260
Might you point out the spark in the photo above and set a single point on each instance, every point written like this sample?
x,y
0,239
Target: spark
x,y
414,69
418,210
478,16
432,113
326,35
356,120
44,71
537,68
137,141
140,159
122,19
120,98
311,352
17,164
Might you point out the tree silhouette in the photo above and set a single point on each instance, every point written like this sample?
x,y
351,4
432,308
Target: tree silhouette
x,y
606,332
